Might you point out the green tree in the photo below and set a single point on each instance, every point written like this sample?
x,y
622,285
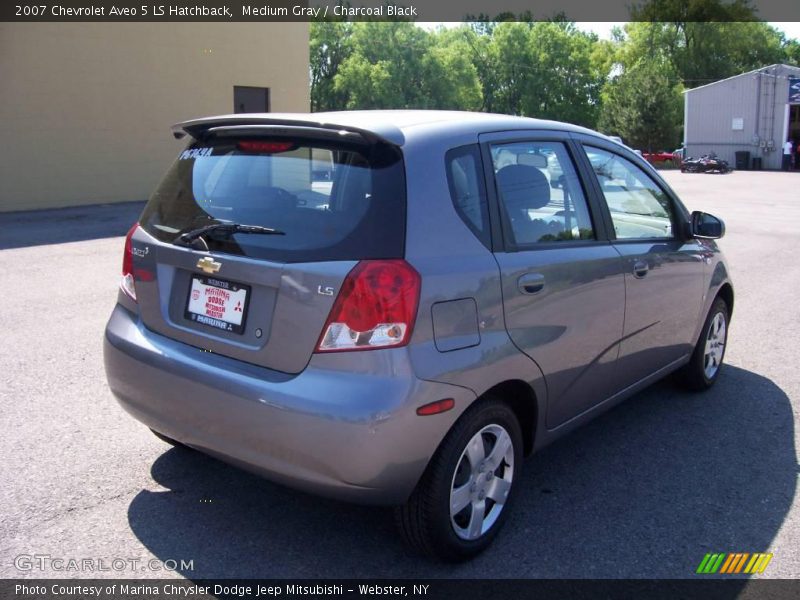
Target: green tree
x,y
705,40
544,69
568,83
791,51
515,73
482,54
399,65
643,104
451,78
329,47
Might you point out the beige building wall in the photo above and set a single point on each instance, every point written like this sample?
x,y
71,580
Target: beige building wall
x,y
85,108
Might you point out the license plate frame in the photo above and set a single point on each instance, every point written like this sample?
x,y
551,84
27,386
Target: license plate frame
x,y
214,322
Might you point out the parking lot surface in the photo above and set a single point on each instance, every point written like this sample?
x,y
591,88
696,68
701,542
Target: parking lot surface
x,y
644,491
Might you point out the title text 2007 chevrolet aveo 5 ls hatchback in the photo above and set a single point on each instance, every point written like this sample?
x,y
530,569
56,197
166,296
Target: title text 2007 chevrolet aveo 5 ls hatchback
x,y
397,307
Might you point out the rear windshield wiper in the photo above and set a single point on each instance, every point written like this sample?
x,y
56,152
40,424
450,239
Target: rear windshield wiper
x,y
225,230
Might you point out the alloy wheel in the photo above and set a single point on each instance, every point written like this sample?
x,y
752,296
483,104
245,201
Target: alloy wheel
x,y
481,482
715,345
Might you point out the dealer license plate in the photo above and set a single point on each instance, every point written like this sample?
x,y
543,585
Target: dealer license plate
x,y
217,303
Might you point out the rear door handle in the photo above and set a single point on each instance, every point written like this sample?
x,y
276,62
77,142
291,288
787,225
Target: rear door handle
x,y
640,268
530,283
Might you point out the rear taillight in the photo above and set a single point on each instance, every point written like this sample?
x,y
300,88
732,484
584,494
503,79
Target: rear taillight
x,y
375,308
126,283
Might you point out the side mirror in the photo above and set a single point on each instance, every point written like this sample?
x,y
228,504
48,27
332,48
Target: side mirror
x,y
707,226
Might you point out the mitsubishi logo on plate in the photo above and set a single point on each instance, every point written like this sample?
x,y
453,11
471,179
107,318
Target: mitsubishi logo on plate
x,y
208,265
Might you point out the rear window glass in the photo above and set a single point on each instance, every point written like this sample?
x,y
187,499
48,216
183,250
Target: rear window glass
x,y
331,202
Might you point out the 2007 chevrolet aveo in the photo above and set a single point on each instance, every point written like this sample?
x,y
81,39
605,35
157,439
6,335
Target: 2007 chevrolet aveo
x,y
395,307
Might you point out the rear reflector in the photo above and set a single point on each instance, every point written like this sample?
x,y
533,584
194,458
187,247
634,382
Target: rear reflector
x,y
127,282
265,147
434,408
375,308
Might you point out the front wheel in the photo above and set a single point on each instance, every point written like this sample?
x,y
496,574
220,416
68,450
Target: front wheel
x,y
463,498
702,370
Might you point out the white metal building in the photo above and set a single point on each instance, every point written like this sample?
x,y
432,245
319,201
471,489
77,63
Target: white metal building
x,y
750,112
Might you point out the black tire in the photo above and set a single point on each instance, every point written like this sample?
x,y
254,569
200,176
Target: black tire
x,y
168,440
694,375
425,520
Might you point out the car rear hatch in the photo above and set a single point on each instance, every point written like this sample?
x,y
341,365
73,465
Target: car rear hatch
x,y
316,201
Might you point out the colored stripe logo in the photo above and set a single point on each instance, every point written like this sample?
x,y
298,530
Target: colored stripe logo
x,y
734,562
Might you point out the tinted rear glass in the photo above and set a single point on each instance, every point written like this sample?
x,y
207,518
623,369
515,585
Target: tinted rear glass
x,y
332,202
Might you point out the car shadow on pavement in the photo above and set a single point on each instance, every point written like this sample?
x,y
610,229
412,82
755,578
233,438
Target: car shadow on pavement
x,y
59,225
643,491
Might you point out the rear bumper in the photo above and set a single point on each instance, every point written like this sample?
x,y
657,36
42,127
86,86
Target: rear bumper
x,y
345,427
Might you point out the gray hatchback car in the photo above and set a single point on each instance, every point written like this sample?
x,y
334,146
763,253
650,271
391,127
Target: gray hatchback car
x,y
395,307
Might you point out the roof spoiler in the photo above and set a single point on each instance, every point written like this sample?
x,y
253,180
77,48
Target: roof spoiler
x,y
249,126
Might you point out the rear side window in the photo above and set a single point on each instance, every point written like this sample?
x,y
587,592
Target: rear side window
x,y
467,189
332,202
540,194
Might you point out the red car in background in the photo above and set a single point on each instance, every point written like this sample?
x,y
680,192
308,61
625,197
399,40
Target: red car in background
x,y
657,158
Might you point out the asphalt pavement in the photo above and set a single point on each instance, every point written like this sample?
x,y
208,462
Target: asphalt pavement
x,y
644,491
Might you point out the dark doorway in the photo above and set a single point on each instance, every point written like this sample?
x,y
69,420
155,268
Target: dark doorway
x,y
249,99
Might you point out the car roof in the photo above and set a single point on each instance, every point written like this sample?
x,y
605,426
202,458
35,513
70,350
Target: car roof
x,y
394,126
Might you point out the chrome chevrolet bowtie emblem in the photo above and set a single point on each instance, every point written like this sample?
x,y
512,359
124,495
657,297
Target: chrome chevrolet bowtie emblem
x,y
208,265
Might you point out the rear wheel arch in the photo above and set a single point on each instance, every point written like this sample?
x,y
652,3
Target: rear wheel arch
x,y
521,399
